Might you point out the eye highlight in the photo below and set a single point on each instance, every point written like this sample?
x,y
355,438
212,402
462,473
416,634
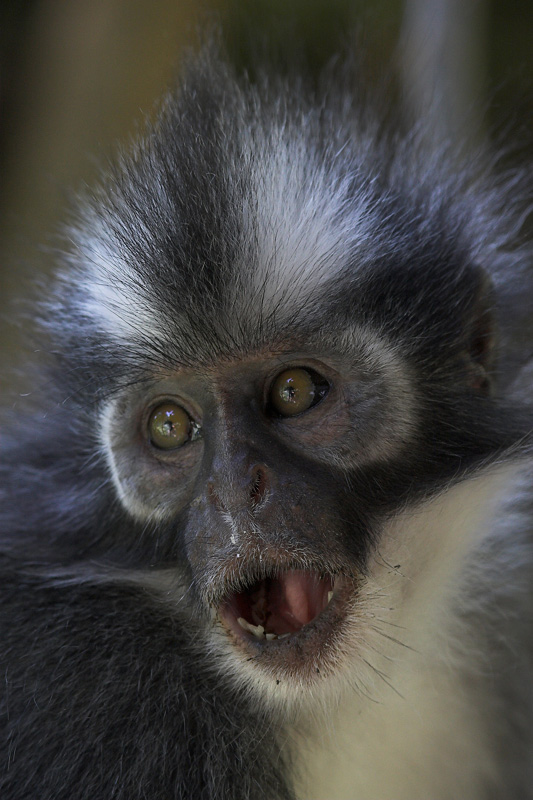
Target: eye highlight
x,y
296,390
169,426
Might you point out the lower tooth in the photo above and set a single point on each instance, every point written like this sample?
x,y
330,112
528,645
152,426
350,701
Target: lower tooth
x,y
259,631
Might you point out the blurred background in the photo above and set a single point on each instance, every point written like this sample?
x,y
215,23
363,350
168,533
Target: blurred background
x,y
78,75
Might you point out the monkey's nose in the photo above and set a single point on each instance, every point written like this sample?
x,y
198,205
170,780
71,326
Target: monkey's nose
x,y
248,497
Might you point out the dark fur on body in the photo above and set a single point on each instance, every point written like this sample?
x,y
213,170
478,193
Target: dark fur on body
x,y
111,690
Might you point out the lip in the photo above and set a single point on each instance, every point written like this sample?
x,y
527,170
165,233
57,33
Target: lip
x,y
306,651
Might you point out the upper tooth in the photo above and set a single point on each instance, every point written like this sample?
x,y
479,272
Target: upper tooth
x,y
257,630
242,622
330,595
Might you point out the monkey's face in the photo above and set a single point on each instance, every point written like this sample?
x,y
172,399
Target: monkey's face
x,y
249,463
273,479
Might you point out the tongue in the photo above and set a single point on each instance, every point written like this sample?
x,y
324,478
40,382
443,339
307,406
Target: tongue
x,y
299,597
294,599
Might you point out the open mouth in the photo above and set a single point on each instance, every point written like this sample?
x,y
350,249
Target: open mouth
x,y
277,607
293,609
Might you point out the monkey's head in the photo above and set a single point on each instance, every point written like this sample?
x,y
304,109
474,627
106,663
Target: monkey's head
x,y
281,325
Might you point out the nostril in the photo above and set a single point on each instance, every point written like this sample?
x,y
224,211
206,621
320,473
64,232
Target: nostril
x,y
258,486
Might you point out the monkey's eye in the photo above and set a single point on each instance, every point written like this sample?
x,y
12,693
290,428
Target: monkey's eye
x,y
169,426
296,390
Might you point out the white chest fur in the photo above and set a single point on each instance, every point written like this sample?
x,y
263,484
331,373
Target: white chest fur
x,y
425,745
410,722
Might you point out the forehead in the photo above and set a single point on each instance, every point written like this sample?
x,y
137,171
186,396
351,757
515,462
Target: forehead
x,y
293,236
252,228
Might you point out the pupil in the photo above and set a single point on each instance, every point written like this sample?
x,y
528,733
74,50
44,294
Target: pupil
x,y
168,427
288,393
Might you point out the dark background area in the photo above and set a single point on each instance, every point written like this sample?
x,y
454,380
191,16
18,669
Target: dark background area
x,y
78,75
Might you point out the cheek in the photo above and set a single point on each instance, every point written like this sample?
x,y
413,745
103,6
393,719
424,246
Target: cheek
x,y
371,423
148,490
319,430
383,421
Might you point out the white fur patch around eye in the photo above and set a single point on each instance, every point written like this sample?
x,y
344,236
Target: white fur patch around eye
x,y
379,356
128,498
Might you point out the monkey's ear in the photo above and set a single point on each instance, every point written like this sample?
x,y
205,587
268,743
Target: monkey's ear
x,y
481,335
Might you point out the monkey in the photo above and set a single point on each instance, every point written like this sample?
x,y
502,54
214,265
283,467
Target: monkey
x,y
267,514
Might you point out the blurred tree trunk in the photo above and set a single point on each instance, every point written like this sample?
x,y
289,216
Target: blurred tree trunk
x,y
443,47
